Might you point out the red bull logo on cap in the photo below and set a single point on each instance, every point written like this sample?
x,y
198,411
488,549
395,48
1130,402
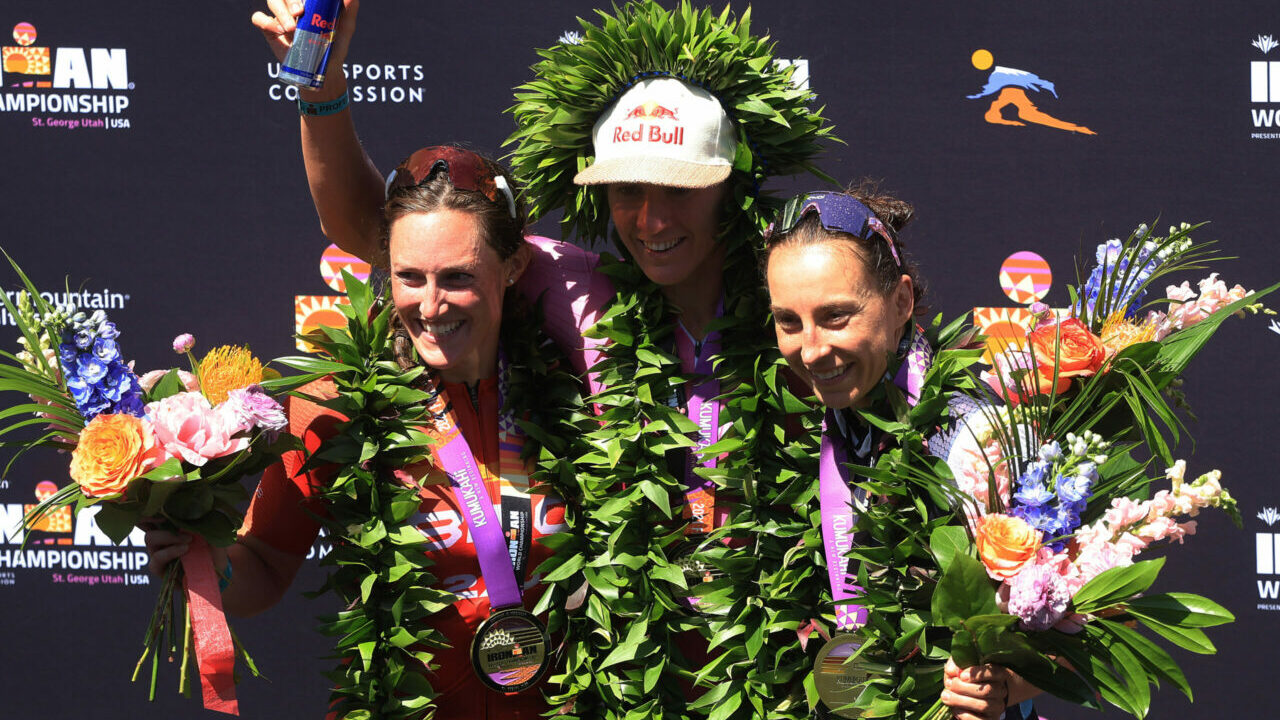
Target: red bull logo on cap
x,y
641,132
652,111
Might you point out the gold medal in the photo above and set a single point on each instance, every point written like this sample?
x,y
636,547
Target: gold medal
x,y
509,650
696,572
838,681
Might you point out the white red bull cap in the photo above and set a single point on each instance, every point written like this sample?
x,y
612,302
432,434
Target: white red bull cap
x,y
662,131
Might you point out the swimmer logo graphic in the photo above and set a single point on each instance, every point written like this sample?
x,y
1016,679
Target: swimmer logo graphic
x,y
1264,91
65,87
1010,88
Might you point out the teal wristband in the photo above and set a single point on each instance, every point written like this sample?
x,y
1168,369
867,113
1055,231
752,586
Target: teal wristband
x,y
324,108
225,580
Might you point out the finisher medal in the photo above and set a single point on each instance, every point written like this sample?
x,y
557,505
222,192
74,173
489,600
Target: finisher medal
x,y
509,650
695,572
837,680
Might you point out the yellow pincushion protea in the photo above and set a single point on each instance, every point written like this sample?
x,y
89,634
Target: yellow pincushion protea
x,y
228,368
1119,333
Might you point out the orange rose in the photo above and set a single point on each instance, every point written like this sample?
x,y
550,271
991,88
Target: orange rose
x,y
1079,353
1005,544
113,450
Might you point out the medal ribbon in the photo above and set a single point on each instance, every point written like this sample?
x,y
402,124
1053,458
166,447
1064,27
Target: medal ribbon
x,y
704,410
453,455
835,497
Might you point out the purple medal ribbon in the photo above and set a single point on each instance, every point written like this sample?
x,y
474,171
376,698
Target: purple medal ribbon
x,y
704,410
836,501
835,496
455,458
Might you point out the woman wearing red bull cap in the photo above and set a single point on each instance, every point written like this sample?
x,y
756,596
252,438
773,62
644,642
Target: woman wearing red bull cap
x,y
460,581
666,151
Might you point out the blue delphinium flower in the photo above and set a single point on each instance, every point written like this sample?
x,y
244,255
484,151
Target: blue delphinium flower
x,y
1053,491
96,376
1029,489
1041,517
1127,270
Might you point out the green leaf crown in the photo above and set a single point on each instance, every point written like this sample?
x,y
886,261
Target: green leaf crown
x,y
779,132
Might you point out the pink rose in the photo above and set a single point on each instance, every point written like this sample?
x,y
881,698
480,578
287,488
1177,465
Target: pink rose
x,y
189,428
183,343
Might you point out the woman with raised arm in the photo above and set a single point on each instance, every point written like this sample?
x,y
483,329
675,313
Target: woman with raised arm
x,y
454,247
624,129
844,298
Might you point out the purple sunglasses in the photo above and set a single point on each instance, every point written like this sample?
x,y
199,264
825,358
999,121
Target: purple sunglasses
x,y
836,211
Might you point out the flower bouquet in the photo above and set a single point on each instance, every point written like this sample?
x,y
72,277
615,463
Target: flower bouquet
x,y
168,448
1048,480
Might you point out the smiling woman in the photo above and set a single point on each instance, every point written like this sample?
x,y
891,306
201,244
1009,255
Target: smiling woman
x,y
843,296
454,247
452,255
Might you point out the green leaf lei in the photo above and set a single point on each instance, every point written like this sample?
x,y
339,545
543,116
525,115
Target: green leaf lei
x,y
379,566
623,656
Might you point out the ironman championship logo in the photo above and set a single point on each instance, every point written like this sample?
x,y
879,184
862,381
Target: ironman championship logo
x,y
64,87
66,547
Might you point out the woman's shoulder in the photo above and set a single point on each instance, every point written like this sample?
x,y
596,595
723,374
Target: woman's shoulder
x,y
304,410
562,254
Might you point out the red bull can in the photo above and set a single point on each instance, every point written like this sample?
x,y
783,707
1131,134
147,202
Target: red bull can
x,y
304,66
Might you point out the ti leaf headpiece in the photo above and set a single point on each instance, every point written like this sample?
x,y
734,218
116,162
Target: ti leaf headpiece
x,y
579,78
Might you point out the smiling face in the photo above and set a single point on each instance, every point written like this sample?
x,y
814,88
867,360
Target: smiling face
x,y
836,327
448,285
670,231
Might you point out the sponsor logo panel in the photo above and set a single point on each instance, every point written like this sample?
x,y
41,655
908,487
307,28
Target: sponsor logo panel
x,y
66,88
313,311
1267,553
66,548
381,82
1264,90
102,299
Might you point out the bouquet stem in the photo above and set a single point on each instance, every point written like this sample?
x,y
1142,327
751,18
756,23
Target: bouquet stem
x,y
158,625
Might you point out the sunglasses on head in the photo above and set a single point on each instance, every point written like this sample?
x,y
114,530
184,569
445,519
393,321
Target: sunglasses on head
x,y
837,212
465,170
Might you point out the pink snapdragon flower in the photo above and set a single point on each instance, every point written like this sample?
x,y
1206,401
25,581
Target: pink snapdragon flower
x,y
1094,559
1186,309
191,429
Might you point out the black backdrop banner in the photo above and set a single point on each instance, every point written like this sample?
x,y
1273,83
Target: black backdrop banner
x,y
151,158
